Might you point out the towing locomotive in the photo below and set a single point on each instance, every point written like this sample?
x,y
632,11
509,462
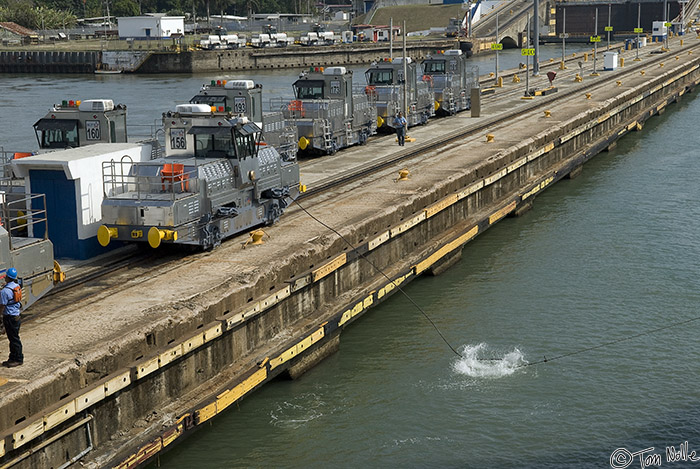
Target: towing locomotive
x,y
327,113
78,123
218,178
388,86
244,98
451,79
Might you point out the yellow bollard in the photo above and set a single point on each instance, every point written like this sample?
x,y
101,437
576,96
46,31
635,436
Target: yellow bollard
x,y
661,64
562,65
516,79
681,41
491,74
622,61
547,113
403,175
578,78
551,59
499,82
489,138
585,56
677,57
256,238
588,95
642,72
619,83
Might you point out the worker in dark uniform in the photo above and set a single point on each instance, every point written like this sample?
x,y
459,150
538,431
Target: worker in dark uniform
x,y
10,318
400,126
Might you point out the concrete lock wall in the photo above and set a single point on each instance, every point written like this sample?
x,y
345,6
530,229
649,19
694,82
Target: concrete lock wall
x,y
298,57
146,391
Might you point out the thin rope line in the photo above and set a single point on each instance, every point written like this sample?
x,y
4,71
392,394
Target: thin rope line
x,y
612,342
386,276
543,360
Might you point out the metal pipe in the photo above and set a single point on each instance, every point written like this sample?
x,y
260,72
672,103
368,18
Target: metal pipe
x,y
83,452
391,38
51,440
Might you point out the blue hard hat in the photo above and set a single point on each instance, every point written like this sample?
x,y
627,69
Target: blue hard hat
x,y
12,273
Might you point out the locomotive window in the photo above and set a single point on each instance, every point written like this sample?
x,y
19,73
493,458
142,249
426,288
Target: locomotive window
x,y
435,66
213,145
308,89
380,77
245,145
57,133
209,100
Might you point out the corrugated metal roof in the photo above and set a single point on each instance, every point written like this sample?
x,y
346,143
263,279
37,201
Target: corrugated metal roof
x,y
17,29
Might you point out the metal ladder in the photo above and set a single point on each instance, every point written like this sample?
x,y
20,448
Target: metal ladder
x,y
327,135
451,104
348,133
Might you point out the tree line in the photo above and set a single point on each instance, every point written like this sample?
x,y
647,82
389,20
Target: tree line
x,y
59,14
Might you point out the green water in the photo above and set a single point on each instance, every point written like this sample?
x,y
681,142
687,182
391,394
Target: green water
x,y
608,255
605,256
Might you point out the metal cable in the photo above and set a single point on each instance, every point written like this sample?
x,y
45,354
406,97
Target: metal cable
x,y
385,276
612,342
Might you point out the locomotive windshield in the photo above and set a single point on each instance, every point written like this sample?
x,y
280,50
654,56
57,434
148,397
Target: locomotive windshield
x,y
212,142
57,133
434,66
378,77
218,101
308,89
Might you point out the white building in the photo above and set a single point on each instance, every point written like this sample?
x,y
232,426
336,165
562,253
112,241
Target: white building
x,y
152,26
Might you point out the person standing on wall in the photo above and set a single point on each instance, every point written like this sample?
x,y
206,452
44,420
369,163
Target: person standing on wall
x,y
10,299
400,126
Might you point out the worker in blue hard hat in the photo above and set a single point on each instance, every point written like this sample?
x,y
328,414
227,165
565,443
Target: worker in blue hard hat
x,y
10,301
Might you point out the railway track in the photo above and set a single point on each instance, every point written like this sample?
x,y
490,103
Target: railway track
x,y
535,106
144,263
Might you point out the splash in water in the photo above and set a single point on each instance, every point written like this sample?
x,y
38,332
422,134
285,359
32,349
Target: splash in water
x,y
479,362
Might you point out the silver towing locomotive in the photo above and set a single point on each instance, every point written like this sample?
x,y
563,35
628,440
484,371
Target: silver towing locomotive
x,y
217,179
327,113
78,123
386,84
451,79
244,98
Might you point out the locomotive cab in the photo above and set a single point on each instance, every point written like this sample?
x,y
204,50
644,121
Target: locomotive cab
x,y
78,123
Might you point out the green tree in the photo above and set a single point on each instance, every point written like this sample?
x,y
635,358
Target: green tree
x,y
124,8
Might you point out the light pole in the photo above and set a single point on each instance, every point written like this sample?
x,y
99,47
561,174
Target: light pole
x,y
563,42
536,39
595,46
609,28
639,29
497,42
665,27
